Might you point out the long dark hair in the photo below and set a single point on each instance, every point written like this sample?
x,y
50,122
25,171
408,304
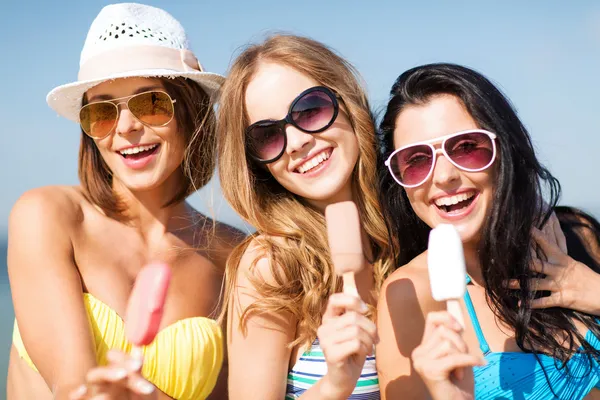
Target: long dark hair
x,y
582,232
518,205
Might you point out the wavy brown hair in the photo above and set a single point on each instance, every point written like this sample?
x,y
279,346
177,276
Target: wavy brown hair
x,y
196,121
290,232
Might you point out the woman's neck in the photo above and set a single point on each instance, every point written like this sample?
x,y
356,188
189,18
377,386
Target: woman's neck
x,y
473,263
145,210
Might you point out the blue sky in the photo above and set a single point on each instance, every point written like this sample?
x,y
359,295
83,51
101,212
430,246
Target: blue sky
x,y
545,55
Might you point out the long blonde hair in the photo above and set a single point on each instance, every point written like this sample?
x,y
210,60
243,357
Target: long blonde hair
x,y
292,233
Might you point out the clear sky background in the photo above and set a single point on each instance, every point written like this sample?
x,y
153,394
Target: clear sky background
x,y
545,55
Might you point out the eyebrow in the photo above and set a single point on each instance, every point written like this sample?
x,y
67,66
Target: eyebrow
x,y
100,97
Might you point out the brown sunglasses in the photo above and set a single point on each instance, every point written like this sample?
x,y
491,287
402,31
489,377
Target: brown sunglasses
x,y
153,108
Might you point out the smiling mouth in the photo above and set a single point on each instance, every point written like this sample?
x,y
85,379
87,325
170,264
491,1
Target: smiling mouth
x,y
455,204
314,162
139,152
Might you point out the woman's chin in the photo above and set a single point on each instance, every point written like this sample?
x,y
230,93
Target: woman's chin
x,y
468,235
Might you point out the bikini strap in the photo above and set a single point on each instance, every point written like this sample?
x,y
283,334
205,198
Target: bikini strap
x,y
483,345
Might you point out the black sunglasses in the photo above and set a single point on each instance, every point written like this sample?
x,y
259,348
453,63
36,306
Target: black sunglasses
x,y
313,111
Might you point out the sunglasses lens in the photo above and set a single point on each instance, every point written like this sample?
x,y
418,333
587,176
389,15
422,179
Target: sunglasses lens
x,y
265,142
152,108
314,111
471,151
412,164
98,119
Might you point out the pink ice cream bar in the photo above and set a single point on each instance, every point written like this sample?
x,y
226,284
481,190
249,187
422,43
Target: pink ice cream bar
x,y
146,304
345,243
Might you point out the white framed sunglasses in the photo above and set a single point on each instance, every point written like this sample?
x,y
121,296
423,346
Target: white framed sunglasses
x,y
472,150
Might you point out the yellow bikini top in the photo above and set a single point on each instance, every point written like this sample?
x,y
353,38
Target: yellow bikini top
x,y
184,360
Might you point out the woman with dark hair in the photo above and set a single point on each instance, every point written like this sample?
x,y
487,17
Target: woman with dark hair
x,y
458,154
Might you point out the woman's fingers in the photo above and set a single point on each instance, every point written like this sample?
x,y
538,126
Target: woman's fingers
x,y
453,337
444,341
351,332
139,385
554,300
340,303
131,362
345,333
342,351
551,250
352,319
443,351
436,369
79,393
559,235
122,375
437,318
460,360
102,396
536,284
102,375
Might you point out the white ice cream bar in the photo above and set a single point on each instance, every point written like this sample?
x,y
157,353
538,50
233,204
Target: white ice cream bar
x,y
446,263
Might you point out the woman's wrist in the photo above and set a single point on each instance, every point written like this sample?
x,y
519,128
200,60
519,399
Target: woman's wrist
x,y
330,391
592,300
440,392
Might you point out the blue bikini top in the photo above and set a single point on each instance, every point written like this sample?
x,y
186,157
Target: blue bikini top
x,y
520,376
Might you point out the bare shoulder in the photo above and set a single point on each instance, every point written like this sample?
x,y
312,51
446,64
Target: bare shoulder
x,y
256,277
48,204
404,301
407,289
255,263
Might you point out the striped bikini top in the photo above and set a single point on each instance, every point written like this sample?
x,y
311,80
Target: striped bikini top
x,y
312,366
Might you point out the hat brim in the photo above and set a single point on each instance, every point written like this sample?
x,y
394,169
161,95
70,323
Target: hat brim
x,y
66,99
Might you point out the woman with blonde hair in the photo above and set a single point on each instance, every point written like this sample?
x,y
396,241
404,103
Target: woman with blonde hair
x,y
295,134
147,142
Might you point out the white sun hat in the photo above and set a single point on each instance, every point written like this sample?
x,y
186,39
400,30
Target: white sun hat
x,y
131,40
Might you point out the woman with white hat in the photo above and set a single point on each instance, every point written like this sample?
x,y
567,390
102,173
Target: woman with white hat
x,y
144,105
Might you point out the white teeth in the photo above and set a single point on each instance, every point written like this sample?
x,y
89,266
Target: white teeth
x,y
451,200
313,162
135,150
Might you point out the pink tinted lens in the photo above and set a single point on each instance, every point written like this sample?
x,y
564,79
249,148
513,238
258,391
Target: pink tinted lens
x,y
265,142
474,150
412,164
313,111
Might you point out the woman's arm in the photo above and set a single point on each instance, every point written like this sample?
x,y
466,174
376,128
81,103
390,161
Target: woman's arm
x,y
400,324
259,357
46,288
228,238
